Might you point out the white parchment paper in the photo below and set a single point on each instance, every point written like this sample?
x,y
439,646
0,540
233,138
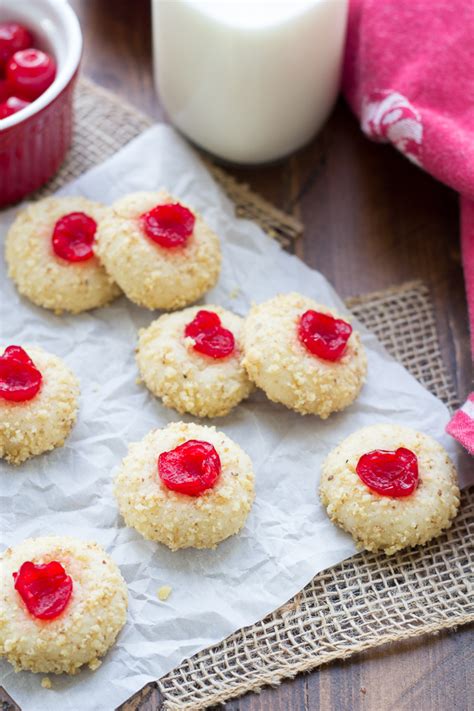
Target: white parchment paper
x,y
287,538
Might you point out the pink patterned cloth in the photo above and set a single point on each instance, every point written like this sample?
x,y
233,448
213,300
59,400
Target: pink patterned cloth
x,y
409,76
462,424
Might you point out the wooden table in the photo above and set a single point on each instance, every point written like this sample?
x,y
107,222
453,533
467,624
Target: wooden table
x,y
372,220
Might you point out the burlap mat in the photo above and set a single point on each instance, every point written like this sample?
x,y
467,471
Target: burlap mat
x,y
365,601
369,599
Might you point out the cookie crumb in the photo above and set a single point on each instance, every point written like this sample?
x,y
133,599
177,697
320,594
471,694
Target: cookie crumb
x,y
363,690
46,682
164,592
234,293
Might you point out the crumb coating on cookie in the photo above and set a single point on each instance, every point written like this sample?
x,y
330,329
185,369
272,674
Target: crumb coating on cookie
x,y
178,520
279,364
89,625
184,379
46,279
42,423
150,275
382,522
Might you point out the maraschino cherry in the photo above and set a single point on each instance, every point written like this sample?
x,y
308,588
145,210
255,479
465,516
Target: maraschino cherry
x,y
73,237
191,468
13,38
45,589
20,380
389,473
323,335
11,106
209,336
168,225
30,72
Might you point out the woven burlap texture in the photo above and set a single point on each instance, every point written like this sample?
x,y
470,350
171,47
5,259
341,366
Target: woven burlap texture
x,y
369,599
365,601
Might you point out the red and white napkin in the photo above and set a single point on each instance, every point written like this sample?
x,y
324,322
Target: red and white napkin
x,y
409,77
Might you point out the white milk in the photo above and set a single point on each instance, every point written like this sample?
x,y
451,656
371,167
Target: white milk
x,y
249,81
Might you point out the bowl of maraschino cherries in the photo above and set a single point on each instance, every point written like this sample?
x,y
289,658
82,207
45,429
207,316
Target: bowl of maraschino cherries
x,y
26,71
40,51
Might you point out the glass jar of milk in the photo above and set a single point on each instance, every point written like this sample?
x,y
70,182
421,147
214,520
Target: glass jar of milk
x,y
250,80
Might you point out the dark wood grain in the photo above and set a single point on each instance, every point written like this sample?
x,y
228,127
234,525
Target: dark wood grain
x,y
372,220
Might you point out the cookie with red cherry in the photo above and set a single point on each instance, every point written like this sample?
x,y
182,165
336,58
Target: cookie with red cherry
x,y
160,251
192,360
38,402
303,355
63,603
51,255
186,485
390,487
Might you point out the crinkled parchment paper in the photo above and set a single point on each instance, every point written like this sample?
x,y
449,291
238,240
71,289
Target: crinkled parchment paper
x,y
288,537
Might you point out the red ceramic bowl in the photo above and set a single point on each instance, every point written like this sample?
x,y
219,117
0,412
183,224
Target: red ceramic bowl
x,y
34,141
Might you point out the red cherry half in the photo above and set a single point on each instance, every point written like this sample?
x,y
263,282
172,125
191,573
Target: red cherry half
x,y
20,380
192,468
73,237
45,589
30,72
323,335
389,473
210,338
169,225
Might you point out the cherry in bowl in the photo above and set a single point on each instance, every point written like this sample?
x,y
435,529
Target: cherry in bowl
x,y
13,38
30,72
11,105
